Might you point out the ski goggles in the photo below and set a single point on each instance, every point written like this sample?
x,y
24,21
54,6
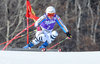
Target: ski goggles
x,y
51,14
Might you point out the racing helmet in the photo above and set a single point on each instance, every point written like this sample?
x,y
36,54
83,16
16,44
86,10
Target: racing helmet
x,y
50,11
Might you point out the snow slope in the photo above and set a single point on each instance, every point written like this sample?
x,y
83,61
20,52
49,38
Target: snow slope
x,y
30,57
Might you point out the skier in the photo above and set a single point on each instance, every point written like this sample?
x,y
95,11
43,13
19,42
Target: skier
x,y
47,23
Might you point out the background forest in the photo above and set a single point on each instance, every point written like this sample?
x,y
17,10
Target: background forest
x,y
82,18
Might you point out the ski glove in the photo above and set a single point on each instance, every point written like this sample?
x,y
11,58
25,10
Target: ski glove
x,y
68,35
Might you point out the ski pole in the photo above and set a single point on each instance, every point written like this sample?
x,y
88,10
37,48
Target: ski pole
x,y
58,43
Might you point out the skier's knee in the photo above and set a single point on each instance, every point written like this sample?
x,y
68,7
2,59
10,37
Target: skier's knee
x,y
54,35
39,38
42,37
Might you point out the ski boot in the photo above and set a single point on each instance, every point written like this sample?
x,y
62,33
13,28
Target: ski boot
x,y
28,45
43,46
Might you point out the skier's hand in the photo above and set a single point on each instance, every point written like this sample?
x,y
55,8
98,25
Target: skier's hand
x,y
68,35
38,28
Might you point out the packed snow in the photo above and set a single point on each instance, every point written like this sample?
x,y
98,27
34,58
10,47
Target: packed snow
x,y
30,57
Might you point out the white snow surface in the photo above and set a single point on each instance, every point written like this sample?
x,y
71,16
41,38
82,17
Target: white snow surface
x,y
30,57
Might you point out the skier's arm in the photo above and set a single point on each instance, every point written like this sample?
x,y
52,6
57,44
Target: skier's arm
x,y
63,27
39,21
